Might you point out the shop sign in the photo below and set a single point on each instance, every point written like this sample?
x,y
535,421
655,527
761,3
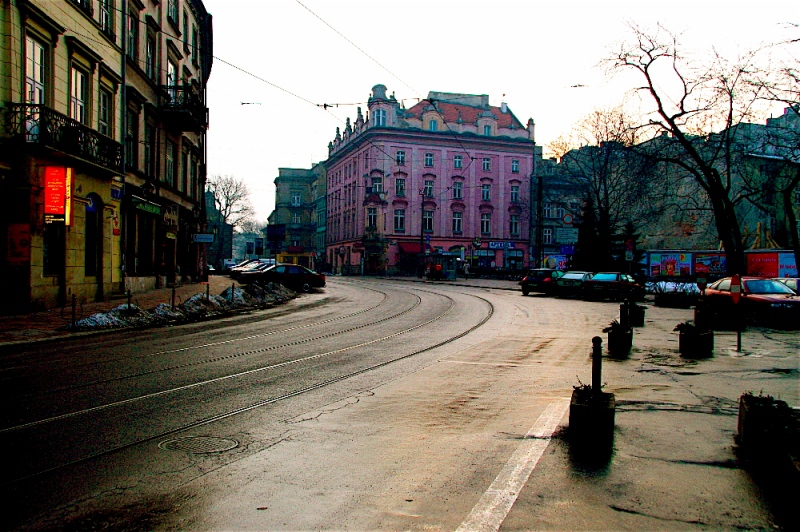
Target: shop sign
x,y
566,235
171,216
205,238
116,194
171,236
19,245
57,194
502,245
146,206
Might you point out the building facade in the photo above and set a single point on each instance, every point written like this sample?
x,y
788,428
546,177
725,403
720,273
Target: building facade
x,y
292,230
451,174
100,171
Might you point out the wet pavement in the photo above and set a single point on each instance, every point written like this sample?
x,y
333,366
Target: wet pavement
x,y
674,465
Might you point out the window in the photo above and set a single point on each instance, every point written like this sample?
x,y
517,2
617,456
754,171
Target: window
x,y
296,218
169,167
514,166
560,211
106,17
372,217
399,220
132,141
183,185
458,189
149,149
104,113
457,161
547,210
458,219
400,157
172,11
34,71
86,5
185,31
427,221
194,45
133,36
193,182
547,236
172,75
428,159
514,193
379,117
150,57
487,130
428,190
400,187
295,199
377,185
513,224
77,99
486,223
486,192
433,125
487,164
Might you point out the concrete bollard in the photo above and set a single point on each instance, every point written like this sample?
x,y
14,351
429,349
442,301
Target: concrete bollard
x,y
591,413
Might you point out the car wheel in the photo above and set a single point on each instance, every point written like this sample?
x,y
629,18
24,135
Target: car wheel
x,y
306,287
525,292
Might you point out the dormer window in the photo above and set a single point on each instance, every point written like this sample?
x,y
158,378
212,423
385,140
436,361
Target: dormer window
x,y
433,125
379,117
487,130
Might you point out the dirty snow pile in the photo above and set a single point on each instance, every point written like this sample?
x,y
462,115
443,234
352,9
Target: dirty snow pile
x,y
195,308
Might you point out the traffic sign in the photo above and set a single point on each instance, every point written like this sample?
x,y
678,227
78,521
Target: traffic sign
x,y
736,288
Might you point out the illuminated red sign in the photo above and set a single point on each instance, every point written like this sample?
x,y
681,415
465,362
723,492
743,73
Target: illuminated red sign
x,y
55,190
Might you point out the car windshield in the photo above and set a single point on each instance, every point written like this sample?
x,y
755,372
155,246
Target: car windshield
x,y
604,277
767,286
573,275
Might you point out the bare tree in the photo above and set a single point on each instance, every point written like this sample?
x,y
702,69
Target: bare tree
x,y
689,102
606,174
232,207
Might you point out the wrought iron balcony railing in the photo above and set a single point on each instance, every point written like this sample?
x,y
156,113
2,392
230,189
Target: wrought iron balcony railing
x,y
36,124
183,107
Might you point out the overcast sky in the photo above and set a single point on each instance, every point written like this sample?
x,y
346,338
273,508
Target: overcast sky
x,y
284,58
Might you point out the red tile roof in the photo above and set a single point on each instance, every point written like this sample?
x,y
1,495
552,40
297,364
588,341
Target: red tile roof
x,y
469,114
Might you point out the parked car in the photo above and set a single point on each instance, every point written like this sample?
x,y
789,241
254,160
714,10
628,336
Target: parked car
x,y
791,282
612,285
293,276
254,266
540,280
764,302
571,283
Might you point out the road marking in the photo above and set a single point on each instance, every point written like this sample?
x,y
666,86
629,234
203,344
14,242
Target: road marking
x,y
498,363
494,505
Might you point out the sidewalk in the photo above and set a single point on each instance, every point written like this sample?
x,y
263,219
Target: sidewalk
x,y
52,324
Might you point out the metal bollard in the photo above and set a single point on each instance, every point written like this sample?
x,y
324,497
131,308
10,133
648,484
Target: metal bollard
x,y
233,290
597,364
624,314
74,309
173,297
130,295
208,291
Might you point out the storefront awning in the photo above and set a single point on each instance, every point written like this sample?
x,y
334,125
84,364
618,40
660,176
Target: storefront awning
x,y
411,247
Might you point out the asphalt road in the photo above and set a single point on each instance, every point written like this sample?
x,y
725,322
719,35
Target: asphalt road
x,y
383,405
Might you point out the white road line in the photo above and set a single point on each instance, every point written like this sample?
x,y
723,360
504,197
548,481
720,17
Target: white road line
x,y
499,363
492,509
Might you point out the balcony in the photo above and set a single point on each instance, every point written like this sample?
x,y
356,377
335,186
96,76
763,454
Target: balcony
x,y
38,125
182,108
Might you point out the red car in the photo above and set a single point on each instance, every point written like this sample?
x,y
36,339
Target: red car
x,y
764,302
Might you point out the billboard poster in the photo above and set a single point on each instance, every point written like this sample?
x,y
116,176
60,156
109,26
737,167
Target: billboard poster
x,y
786,265
762,264
670,264
710,264
556,262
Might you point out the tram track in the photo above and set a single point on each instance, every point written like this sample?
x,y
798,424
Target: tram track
x,y
10,431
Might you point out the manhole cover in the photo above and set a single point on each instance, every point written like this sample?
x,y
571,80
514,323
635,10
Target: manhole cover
x,y
199,444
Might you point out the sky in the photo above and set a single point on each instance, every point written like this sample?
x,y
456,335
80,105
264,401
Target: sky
x,y
277,61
